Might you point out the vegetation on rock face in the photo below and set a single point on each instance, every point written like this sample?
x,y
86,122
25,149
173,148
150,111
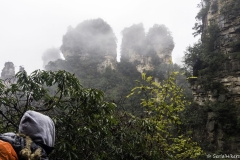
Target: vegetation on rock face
x,y
204,60
207,63
87,127
86,46
230,8
226,115
204,6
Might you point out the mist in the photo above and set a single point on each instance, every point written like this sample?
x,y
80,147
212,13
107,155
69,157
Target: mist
x,y
30,27
51,54
93,36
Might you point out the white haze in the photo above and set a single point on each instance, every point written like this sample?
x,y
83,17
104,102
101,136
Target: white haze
x,y
51,54
30,27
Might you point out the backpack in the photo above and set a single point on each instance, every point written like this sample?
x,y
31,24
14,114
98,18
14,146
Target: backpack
x,y
7,152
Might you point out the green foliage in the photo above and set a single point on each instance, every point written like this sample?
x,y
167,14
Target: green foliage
x,y
209,38
194,118
204,7
204,60
87,127
163,104
198,27
192,54
81,116
226,115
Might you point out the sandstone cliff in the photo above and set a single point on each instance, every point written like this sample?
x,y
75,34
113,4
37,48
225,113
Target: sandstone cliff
x,y
146,50
222,119
228,42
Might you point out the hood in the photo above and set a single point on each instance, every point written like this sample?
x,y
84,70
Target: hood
x,y
40,128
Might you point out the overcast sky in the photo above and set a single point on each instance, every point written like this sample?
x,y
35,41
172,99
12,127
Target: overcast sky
x,y
29,27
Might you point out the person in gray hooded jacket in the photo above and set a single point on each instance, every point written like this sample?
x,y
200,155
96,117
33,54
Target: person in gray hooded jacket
x,y
36,137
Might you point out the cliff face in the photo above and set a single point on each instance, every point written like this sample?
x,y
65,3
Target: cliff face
x,y
109,61
228,43
145,62
146,50
94,40
91,40
225,14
